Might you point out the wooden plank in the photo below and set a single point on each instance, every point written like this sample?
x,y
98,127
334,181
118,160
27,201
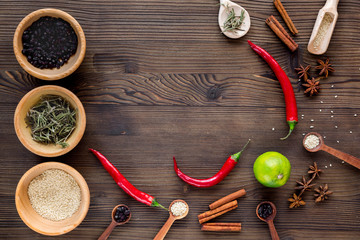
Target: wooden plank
x,y
159,80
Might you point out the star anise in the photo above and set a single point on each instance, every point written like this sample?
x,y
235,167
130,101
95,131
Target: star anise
x,y
322,193
296,201
304,185
303,72
312,86
325,67
314,170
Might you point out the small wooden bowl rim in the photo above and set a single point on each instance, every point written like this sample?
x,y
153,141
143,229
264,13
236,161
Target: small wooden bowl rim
x,y
24,135
44,73
65,225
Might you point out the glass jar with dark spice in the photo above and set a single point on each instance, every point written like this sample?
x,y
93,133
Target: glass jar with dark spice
x,y
49,42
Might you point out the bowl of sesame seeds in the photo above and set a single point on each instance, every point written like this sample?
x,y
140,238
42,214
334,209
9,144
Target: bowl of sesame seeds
x,y
49,44
52,198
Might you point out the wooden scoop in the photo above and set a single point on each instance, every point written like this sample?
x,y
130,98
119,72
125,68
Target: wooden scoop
x,y
323,28
163,231
321,146
269,220
225,6
113,223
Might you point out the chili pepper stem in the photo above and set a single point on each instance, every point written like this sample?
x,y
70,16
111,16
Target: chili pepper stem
x,y
236,156
291,129
156,204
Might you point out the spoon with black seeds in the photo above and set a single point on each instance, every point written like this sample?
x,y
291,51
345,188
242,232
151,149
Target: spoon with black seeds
x,y
266,211
120,215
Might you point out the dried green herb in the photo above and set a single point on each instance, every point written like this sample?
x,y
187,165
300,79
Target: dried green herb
x,y
232,21
52,120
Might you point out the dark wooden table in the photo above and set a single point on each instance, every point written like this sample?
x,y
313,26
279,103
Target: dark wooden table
x,y
158,80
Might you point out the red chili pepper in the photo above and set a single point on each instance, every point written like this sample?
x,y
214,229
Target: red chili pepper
x,y
218,177
291,108
125,184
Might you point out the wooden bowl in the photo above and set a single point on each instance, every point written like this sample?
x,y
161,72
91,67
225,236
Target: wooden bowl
x,y
49,74
24,132
39,224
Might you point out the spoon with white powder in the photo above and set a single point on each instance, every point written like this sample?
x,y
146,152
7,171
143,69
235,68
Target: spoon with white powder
x,y
313,142
178,209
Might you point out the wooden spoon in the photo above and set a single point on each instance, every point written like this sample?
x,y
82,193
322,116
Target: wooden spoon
x,y
113,223
354,161
163,231
326,20
225,6
269,220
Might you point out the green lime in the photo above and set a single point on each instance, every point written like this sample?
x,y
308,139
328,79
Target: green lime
x,y
272,169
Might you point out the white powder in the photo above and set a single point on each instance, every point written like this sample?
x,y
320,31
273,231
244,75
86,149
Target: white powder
x,y
312,141
178,209
54,194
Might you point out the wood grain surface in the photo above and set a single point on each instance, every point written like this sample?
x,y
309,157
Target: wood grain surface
x,y
160,80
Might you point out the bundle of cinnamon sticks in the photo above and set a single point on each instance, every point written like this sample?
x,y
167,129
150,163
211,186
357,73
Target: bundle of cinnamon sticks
x,y
219,208
279,30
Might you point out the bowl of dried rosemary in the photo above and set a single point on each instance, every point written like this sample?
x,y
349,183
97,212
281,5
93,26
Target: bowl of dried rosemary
x,y
50,121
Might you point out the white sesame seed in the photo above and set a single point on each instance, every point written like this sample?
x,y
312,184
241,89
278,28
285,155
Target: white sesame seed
x,y
350,132
332,111
330,165
54,194
178,208
336,96
332,86
336,126
321,102
311,127
332,116
355,115
324,137
338,141
325,166
311,120
320,110
273,129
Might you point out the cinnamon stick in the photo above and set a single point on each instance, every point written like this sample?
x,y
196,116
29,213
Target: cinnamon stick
x,y
279,6
279,30
221,228
216,210
223,224
227,198
217,214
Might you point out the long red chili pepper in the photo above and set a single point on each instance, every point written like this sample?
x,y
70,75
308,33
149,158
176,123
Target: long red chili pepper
x,y
218,177
125,184
291,108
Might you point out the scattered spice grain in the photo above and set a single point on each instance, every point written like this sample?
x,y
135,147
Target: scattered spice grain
x,y
54,194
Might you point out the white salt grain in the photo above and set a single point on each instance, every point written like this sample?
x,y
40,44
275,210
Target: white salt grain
x,y
311,127
330,165
336,96
320,110
355,115
178,209
311,120
350,132
312,141
54,194
332,86
338,141
273,129
336,126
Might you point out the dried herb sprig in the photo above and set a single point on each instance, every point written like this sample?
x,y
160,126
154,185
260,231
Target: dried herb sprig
x,y
233,22
296,200
52,120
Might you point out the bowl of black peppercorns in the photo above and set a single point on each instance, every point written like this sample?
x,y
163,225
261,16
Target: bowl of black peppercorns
x,y
49,44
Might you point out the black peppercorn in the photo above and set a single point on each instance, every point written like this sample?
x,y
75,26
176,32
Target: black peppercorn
x,y
121,214
49,42
265,210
